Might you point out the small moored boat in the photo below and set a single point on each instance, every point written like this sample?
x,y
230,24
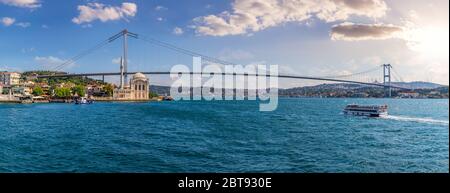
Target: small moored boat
x,y
167,98
366,110
83,100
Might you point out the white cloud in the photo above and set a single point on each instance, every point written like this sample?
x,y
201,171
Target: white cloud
x,y
10,69
354,32
178,31
250,16
28,50
7,21
87,25
49,62
159,19
23,24
117,60
98,11
22,3
236,55
160,8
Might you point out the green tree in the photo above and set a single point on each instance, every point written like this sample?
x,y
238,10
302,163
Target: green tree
x,y
152,95
109,89
37,91
79,90
62,93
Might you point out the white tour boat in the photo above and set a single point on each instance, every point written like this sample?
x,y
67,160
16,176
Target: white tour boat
x,y
366,110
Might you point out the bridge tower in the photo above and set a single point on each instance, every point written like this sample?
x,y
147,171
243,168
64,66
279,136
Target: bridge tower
x,y
125,34
125,56
387,80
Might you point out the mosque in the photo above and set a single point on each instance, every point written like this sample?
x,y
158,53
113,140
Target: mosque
x,y
138,89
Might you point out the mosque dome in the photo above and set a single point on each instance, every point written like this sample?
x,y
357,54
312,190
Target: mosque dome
x,y
139,76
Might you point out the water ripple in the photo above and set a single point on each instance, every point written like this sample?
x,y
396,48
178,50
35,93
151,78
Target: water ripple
x,y
302,135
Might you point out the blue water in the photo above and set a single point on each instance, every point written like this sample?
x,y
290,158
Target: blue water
x,y
302,135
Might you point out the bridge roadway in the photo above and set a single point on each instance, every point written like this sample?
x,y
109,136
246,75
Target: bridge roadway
x,y
224,74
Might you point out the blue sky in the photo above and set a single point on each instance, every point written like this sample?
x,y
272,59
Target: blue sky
x,y
302,36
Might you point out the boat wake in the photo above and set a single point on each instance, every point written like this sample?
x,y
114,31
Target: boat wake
x,y
416,119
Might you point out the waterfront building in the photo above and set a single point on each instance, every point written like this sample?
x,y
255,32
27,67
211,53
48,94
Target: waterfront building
x,y
10,78
409,94
21,91
435,93
65,85
95,90
29,83
5,93
138,89
360,95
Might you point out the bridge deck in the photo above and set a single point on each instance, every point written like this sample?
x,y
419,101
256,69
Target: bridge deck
x,y
224,74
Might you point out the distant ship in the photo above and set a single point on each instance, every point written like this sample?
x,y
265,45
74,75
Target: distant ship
x,y
366,110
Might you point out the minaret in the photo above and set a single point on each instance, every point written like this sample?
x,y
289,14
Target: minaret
x,y
121,73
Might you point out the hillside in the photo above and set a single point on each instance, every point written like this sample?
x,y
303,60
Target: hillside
x,y
52,81
418,85
340,90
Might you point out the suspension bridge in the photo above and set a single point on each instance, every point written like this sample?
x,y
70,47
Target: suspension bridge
x,y
353,78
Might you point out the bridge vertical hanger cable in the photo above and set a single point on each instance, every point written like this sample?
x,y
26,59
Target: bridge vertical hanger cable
x,y
397,75
400,79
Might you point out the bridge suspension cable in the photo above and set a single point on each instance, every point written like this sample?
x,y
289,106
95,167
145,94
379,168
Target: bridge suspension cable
x,y
80,55
397,75
126,33
183,51
173,48
92,49
354,74
219,61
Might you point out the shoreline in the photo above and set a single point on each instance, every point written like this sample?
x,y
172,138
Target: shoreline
x,y
11,102
155,100
71,101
